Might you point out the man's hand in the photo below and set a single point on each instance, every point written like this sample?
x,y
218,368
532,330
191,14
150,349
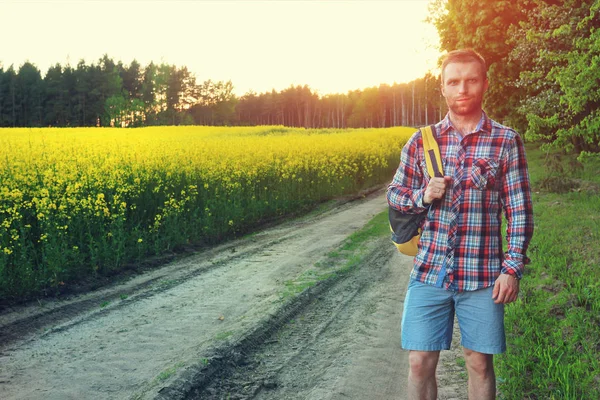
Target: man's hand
x,y
506,289
436,189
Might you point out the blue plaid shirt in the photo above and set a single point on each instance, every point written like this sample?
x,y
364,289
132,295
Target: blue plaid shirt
x,y
461,243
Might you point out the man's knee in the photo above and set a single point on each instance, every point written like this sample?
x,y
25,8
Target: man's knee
x,y
423,363
479,363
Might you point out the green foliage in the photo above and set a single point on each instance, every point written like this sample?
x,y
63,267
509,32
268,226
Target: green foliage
x,y
561,75
119,111
217,104
29,95
415,103
103,94
543,58
553,330
114,110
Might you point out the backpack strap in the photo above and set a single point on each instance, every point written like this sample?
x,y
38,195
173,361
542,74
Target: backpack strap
x,y
431,152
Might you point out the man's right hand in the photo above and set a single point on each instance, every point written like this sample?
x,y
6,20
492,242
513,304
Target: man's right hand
x,y
436,189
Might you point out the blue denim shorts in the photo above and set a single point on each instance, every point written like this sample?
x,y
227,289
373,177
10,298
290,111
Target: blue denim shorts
x,y
428,319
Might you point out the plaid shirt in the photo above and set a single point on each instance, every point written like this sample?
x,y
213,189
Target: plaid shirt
x,y
461,243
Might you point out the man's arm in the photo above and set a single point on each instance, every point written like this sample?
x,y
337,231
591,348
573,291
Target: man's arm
x,y
518,209
406,191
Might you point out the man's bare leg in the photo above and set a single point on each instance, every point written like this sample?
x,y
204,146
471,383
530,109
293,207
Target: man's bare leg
x,y
422,384
482,379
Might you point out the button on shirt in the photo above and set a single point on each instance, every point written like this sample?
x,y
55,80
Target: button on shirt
x,y
461,242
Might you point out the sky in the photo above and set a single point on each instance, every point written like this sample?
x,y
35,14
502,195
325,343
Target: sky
x,y
332,46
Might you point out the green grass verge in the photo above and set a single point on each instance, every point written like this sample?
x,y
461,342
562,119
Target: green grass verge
x,y
342,260
553,329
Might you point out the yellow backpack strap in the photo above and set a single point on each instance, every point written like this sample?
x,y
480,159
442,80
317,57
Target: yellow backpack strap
x,y
431,151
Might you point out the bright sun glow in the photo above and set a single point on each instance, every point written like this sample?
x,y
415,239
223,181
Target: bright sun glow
x,y
333,46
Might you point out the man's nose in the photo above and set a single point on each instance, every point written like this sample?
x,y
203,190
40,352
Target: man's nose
x,y
462,87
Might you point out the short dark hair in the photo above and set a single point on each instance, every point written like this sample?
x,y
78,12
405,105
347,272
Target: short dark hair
x,y
464,56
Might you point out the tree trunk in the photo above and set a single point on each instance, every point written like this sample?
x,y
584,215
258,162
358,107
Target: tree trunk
x,y
14,104
413,104
343,117
395,114
404,122
426,113
419,112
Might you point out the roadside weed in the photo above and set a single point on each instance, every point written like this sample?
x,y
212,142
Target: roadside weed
x,y
169,372
348,256
223,335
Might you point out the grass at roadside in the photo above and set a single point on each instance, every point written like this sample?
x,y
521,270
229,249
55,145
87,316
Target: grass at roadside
x,y
553,329
348,256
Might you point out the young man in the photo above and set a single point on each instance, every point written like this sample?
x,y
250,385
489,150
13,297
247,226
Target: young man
x,y
460,267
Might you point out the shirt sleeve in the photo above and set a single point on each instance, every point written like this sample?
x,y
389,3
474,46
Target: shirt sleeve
x,y
518,209
406,191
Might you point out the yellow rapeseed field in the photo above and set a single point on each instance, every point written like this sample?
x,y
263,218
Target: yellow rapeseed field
x,y
81,201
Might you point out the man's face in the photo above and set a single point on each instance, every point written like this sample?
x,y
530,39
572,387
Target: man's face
x,y
463,87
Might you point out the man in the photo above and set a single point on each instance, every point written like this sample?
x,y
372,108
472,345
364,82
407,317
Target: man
x,y
460,267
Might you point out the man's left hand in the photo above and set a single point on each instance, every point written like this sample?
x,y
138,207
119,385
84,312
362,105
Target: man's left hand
x,y
506,289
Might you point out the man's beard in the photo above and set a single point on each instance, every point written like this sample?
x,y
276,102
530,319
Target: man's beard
x,y
470,107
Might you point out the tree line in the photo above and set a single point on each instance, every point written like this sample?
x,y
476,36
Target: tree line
x,y
106,93
109,93
544,63
415,103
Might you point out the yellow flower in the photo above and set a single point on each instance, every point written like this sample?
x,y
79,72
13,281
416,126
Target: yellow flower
x,y
99,179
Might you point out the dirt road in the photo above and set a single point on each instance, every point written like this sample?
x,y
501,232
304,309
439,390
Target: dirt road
x,y
242,320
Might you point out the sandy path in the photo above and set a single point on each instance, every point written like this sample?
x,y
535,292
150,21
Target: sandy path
x,y
132,339
342,345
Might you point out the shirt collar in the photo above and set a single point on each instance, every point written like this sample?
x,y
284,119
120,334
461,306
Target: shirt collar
x,y
484,125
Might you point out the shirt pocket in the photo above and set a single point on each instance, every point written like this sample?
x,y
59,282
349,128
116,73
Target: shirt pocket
x,y
483,174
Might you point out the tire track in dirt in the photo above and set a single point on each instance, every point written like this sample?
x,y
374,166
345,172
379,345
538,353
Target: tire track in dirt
x,y
343,344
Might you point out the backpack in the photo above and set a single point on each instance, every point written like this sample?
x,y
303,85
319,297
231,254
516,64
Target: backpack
x,y
406,228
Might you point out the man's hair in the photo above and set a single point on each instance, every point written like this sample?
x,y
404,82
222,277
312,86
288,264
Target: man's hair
x,y
464,56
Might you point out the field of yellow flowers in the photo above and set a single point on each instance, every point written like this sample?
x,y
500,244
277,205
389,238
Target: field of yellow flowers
x,y
84,202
